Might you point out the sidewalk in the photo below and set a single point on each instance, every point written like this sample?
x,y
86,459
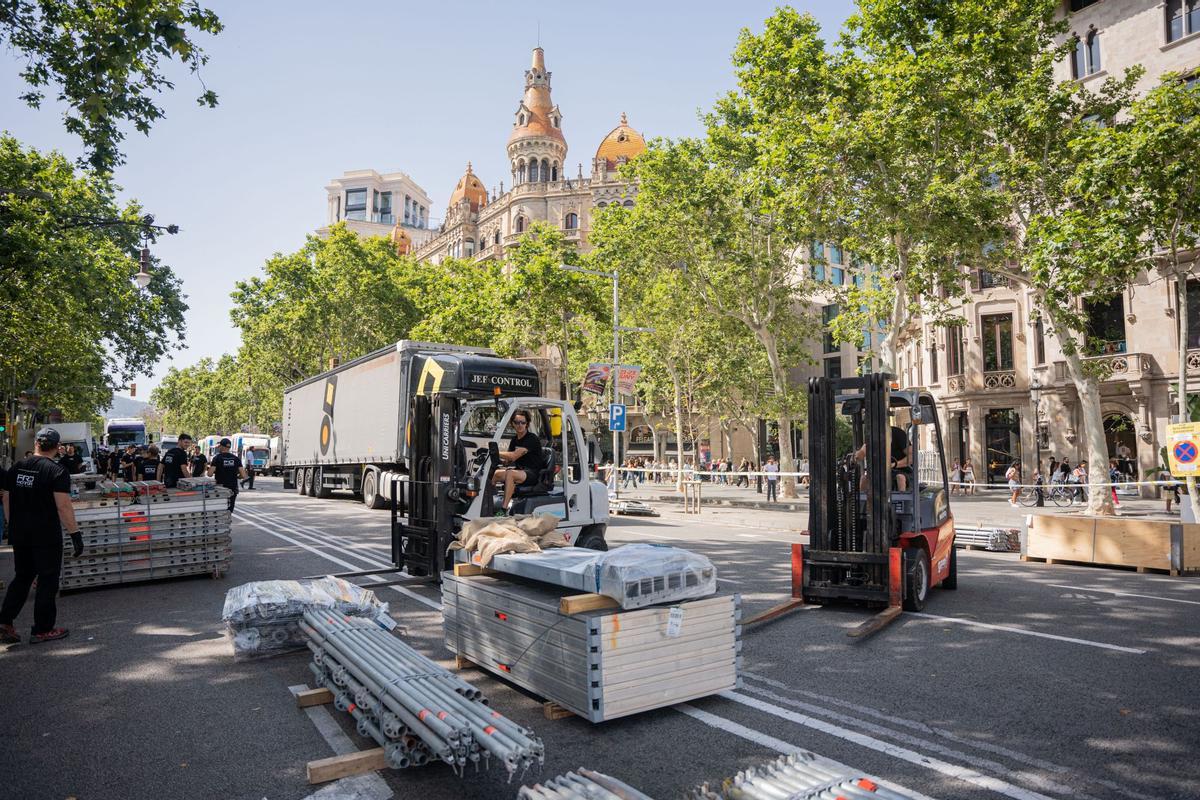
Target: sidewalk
x,y
987,508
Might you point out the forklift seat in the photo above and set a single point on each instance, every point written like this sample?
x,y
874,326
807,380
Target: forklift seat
x,y
545,476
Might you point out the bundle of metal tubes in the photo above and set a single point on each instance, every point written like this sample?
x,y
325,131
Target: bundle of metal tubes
x,y
582,785
414,709
801,776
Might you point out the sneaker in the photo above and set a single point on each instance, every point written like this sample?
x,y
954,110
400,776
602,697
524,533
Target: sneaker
x,y
48,636
9,635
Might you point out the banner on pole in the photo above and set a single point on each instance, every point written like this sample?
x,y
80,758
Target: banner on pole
x,y
627,376
596,378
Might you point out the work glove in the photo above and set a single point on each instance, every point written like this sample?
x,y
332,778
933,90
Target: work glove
x,y
77,544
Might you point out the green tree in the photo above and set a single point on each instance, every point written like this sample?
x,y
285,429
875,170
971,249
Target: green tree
x,y
337,296
456,301
72,325
1157,145
106,59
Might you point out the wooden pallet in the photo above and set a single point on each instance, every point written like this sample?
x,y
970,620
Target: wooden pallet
x,y
324,770
1120,567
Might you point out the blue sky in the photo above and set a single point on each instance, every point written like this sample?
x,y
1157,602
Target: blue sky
x,y
309,90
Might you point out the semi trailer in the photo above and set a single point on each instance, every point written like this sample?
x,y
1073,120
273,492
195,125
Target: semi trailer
x,y
360,428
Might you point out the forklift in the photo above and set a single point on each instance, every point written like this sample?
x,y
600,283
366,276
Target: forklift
x,y
871,541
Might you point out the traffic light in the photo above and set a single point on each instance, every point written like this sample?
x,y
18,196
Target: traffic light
x,y
4,421
133,390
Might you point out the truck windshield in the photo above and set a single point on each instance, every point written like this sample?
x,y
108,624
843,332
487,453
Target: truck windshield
x,y
482,421
120,438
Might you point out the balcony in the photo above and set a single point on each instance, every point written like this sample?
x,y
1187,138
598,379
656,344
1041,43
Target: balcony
x,y
490,252
956,384
1122,366
1000,379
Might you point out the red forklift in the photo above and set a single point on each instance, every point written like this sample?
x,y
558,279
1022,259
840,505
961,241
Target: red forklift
x,y
870,540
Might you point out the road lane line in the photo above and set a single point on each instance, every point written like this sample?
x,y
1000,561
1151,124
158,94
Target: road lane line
x,y
351,567
368,786
915,741
922,615
1124,594
902,753
786,748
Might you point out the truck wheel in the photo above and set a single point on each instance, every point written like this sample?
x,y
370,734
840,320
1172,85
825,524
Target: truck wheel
x,y
308,483
319,489
916,578
951,580
298,477
592,537
370,492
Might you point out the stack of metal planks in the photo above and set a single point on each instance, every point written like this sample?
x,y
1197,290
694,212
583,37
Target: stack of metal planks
x,y
799,776
143,531
598,664
581,785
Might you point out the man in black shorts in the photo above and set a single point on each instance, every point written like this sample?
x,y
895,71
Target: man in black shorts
x,y
226,468
524,457
174,464
37,503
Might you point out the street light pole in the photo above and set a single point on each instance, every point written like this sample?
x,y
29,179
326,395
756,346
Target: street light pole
x,y
1035,391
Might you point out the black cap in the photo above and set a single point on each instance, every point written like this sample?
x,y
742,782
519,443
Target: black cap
x,y
224,443
48,437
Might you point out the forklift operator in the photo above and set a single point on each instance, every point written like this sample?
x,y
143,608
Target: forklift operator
x,y
901,456
524,455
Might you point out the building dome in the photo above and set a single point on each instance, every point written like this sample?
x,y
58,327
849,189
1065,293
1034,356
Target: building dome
x,y
401,241
622,143
469,187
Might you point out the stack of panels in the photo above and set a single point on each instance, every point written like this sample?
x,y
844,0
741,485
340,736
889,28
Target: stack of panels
x,y
800,776
160,533
582,785
599,664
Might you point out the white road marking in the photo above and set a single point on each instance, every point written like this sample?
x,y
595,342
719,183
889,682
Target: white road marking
x,y
369,786
1025,632
780,746
1125,594
334,559
902,753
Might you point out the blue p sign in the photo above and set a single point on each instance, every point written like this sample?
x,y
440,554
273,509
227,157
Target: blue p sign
x,y
616,416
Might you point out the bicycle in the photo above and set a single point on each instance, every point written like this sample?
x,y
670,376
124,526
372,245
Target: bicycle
x,y
1057,493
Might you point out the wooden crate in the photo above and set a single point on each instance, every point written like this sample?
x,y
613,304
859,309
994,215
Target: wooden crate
x,y
1146,544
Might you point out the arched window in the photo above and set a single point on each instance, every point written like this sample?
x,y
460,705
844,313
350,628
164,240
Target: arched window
x,y
554,172
533,171
1085,57
470,247
496,237
545,169
601,204
522,119
571,221
520,225
521,171
628,204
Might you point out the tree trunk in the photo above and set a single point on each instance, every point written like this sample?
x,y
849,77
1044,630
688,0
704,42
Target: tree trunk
x,y
1100,499
887,348
787,462
678,399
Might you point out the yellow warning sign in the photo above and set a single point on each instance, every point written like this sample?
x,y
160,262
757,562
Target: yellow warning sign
x,y
1183,448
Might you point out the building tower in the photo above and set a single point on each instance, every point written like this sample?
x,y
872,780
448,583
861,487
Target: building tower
x,y
536,147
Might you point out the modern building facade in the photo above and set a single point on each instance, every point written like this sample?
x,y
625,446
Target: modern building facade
x,y
372,204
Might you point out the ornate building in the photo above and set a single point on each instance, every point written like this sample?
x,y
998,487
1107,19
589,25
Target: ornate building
x,y
482,226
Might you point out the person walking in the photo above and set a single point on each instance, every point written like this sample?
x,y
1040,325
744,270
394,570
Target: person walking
x,y
772,470
37,505
1013,476
956,476
174,463
1169,487
248,481
968,478
226,468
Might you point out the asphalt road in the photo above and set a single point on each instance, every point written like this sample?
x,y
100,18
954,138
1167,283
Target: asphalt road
x,y
1031,681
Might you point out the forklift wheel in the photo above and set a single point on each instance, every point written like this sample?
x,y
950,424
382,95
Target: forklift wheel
x,y
916,578
591,539
951,580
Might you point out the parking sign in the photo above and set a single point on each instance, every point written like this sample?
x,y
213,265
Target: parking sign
x,y
616,416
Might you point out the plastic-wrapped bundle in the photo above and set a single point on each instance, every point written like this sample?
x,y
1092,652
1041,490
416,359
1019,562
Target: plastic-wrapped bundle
x,y
262,618
645,574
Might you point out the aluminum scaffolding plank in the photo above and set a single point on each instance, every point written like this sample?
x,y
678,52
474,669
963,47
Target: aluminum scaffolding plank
x,y
598,664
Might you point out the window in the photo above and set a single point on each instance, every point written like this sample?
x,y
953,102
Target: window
x,y
337,209
1085,58
545,173
835,254
954,350
1105,329
533,171
933,360
571,221
1183,18
628,204
1193,301
382,208
496,237
554,171
990,280
828,314
407,209
837,276
1079,5
470,247
574,467
520,225
818,271
816,251
997,342
1039,342
356,204
833,367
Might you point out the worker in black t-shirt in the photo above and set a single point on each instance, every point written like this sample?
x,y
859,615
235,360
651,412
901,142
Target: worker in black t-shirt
x,y
227,468
37,504
524,457
128,465
199,462
900,453
147,465
175,462
72,461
